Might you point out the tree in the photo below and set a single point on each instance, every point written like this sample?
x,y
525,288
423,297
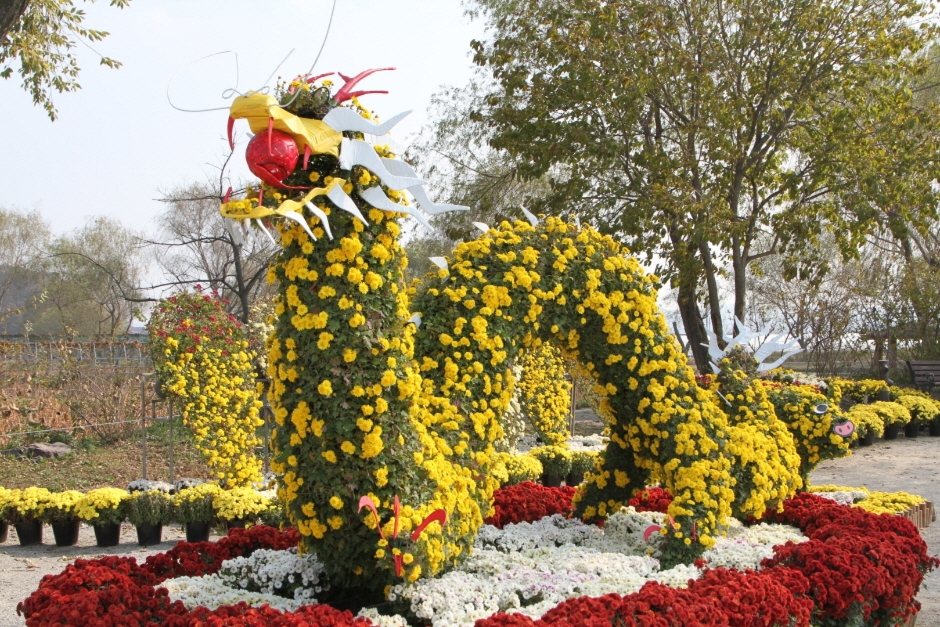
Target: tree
x,y
23,237
41,34
696,130
92,280
196,245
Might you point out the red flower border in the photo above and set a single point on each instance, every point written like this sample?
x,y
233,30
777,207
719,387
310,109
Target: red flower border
x,y
855,565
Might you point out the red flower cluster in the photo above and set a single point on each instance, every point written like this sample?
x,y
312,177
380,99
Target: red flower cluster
x,y
857,563
118,592
528,502
651,500
721,598
856,566
243,615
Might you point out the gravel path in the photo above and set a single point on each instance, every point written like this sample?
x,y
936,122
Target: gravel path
x,y
908,465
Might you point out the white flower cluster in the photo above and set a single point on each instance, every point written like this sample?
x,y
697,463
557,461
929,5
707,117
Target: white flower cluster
x,y
513,420
530,568
264,577
593,442
554,530
846,497
747,547
382,620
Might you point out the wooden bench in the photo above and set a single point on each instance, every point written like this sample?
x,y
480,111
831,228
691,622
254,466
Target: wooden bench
x,y
924,374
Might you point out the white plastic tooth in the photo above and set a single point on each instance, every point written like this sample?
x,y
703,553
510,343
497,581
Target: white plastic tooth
x,y
377,198
400,168
299,219
267,234
343,119
483,226
323,218
354,152
415,319
234,232
342,200
440,262
534,221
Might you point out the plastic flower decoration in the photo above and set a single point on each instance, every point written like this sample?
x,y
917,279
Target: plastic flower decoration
x,y
400,558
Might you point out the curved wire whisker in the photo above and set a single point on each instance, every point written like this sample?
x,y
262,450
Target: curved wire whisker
x,y
214,54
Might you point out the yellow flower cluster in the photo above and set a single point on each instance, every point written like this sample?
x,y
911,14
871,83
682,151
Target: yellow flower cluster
x,y
517,468
866,420
555,460
876,502
861,391
60,506
519,286
765,465
544,393
796,406
220,405
922,410
25,505
102,506
238,503
891,413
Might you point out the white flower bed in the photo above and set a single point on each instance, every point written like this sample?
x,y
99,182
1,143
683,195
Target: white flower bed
x,y
527,568
845,497
594,442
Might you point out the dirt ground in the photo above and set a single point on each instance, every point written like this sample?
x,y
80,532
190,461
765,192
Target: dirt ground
x,y
908,465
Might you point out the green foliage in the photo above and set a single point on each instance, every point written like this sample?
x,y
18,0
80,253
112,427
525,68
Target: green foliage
x,y
555,460
150,507
42,41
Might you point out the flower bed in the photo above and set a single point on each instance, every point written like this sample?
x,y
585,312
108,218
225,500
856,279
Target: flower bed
x,y
853,567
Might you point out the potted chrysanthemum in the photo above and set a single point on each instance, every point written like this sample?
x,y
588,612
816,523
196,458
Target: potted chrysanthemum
x,y
582,462
60,514
4,527
104,509
240,507
24,509
149,510
556,463
923,410
192,507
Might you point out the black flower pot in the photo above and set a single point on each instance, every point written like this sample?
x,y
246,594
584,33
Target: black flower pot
x,y
29,533
892,431
935,427
107,535
66,533
869,438
148,534
4,529
574,478
912,429
238,523
551,481
197,531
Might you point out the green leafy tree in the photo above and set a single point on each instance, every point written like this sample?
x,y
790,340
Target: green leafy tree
x,y
708,135
40,35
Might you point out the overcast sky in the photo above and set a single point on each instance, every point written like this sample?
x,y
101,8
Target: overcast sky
x,y
118,143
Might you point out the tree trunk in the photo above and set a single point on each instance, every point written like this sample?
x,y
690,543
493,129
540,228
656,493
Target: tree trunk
x,y
694,326
10,13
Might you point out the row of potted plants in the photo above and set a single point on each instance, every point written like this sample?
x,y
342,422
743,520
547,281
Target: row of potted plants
x,y
197,508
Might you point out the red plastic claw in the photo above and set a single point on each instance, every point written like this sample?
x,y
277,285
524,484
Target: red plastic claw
x,y
437,515
306,155
270,132
311,79
396,509
346,91
228,195
231,127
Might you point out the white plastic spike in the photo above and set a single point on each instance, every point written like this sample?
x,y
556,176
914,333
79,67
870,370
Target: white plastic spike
x,y
786,356
440,262
344,202
344,119
400,168
299,219
260,225
234,232
483,226
530,217
354,152
377,198
323,218
415,319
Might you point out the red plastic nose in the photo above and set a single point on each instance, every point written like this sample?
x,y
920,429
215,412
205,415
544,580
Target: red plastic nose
x,y
272,156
